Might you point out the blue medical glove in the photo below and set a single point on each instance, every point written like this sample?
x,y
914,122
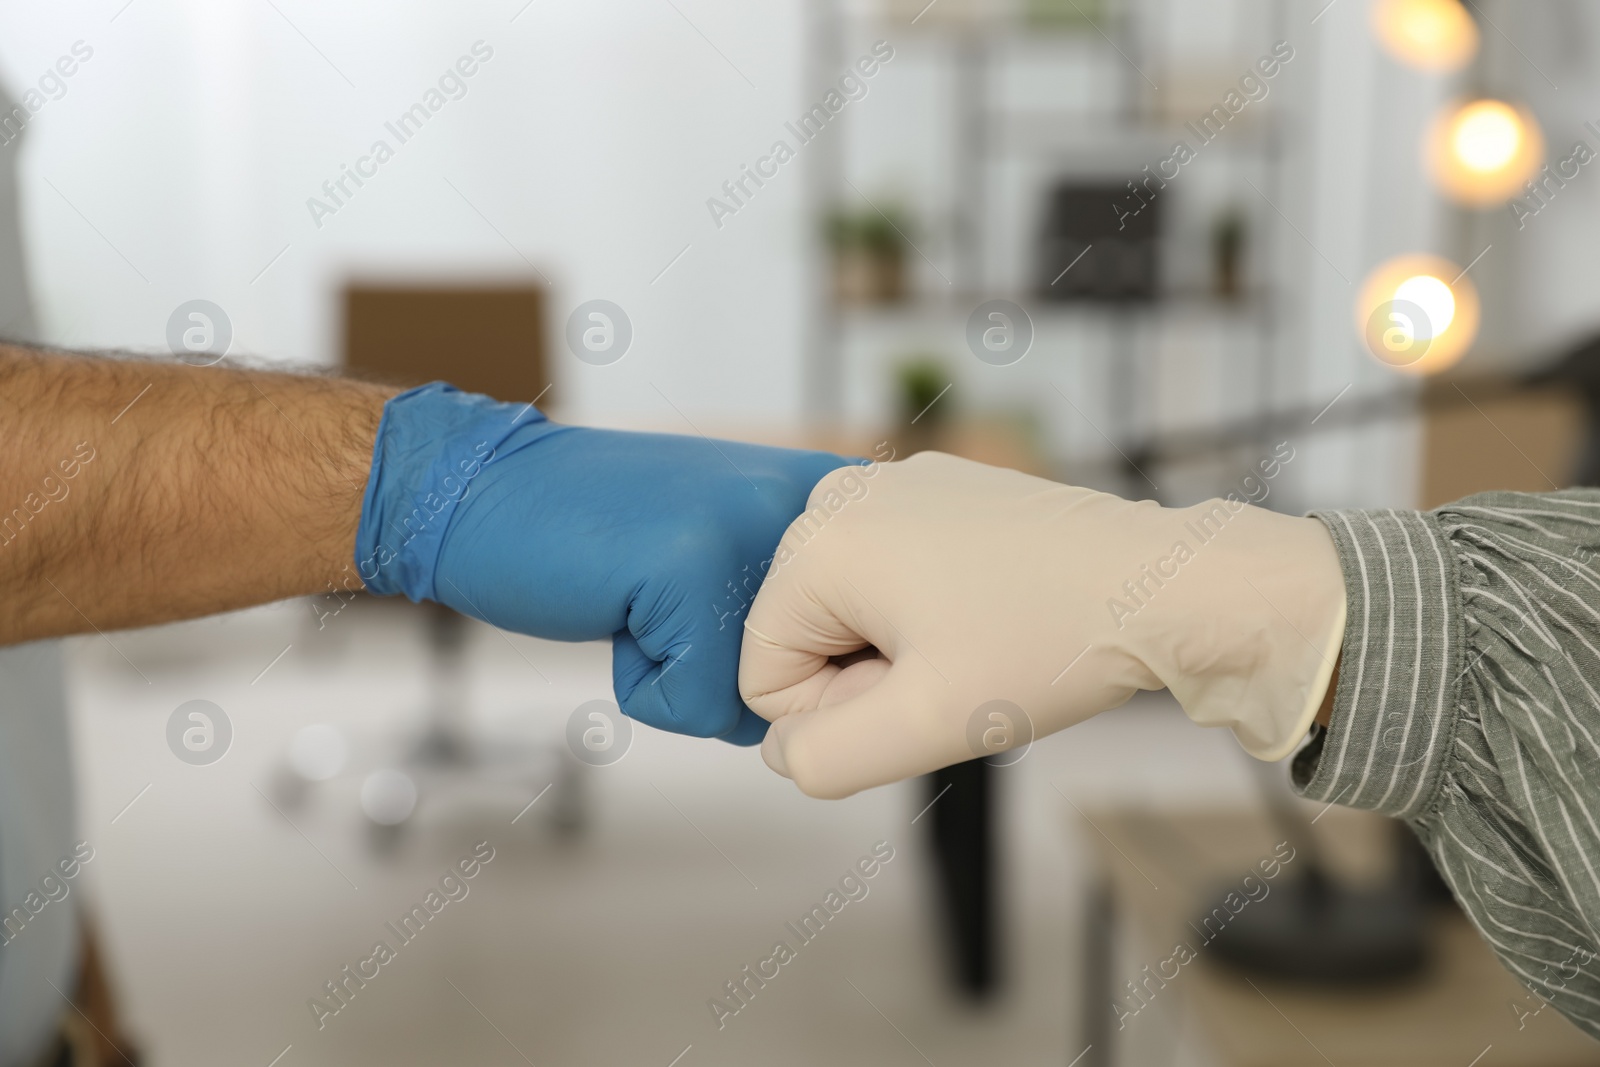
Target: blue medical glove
x,y
570,533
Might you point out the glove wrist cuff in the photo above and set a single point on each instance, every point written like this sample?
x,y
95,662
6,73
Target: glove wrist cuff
x,y
1249,640
432,443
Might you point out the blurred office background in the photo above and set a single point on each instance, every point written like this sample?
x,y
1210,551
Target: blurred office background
x,y
1158,336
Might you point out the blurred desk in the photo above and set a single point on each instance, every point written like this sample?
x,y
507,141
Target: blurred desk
x,y
1157,872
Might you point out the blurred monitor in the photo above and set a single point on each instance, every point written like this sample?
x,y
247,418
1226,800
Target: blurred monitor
x,y
1120,232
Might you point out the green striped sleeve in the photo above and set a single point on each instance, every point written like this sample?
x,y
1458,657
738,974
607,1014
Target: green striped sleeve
x,y
1467,706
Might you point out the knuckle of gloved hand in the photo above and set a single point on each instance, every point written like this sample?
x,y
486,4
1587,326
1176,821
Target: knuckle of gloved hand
x,y
709,723
929,460
818,786
839,487
817,792
763,704
812,771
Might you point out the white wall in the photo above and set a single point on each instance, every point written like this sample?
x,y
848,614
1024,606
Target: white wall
x,y
192,139
194,136
1548,279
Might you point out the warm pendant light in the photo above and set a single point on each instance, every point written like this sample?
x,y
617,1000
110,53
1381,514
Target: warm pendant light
x,y
1481,153
1435,35
1417,313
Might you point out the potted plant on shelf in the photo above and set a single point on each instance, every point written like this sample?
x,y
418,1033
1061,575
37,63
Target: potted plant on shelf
x,y
923,379
1227,254
869,254
1063,14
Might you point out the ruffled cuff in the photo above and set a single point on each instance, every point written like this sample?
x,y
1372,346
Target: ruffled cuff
x,y
1394,712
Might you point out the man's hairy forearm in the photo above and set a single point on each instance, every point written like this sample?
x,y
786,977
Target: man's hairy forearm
x,y
134,493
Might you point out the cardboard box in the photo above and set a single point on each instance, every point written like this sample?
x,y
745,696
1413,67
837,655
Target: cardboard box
x,y
1520,439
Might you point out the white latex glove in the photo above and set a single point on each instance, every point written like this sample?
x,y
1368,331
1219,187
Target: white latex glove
x,y
977,584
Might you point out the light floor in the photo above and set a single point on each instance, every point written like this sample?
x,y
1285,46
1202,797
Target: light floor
x,y
225,914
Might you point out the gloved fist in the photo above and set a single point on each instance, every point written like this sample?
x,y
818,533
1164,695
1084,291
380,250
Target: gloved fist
x,y
976,584
576,534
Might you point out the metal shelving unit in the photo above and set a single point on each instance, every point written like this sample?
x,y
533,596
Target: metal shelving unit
x,y
987,133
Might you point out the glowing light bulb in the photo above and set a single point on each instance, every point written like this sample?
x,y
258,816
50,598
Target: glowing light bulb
x,y
1480,153
1486,136
1436,35
1435,299
1412,319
